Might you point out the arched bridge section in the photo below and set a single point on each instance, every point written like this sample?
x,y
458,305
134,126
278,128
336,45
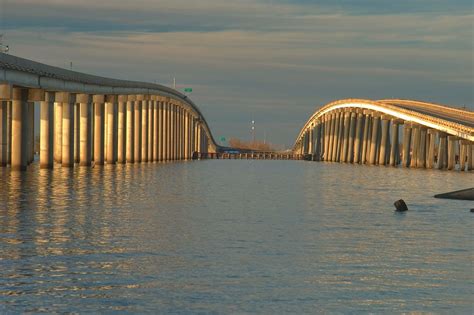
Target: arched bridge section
x,y
87,119
389,132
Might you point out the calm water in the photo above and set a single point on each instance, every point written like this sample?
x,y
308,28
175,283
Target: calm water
x,y
234,237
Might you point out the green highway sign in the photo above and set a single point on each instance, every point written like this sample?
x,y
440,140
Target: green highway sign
x,y
188,90
222,139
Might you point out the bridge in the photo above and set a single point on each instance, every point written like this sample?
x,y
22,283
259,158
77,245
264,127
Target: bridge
x,y
91,120
389,132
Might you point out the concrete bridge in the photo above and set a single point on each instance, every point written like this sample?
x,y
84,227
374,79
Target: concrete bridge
x,y
86,119
389,132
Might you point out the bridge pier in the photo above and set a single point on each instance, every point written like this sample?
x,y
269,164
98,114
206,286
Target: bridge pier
x,y
366,138
451,152
19,136
373,140
442,151
144,130
99,125
138,130
384,141
85,129
110,105
130,121
121,129
394,149
67,153
3,132
431,139
406,144
345,137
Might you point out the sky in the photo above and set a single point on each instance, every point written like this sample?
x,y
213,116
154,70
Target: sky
x,y
272,61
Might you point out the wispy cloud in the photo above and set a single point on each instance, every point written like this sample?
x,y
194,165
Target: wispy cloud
x,y
262,59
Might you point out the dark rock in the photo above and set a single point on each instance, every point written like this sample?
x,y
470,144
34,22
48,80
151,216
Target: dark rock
x,y
400,205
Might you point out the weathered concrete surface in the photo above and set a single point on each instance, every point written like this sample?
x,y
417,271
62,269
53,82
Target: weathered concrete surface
x,y
465,194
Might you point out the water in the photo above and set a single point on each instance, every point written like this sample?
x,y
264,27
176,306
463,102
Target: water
x,y
234,237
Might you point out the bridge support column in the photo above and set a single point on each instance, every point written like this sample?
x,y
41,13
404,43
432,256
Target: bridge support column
x,y
19,136
47,131
155,129
6,91
394,148
111,101
442,151
68,101
384,141
99,126
162,114
151,126
85,129
31,131
186,135
358,136
340,137
470,153
415,145
373,140
138,130
317,142
345,137
352,127
462,155
431,138
130,121
3,132
122,129
9,132
77,140
366,140
451,152
58,131
421,157
145,129
406,144
166,133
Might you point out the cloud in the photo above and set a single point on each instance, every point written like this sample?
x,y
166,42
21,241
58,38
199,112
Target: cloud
x,y
273,61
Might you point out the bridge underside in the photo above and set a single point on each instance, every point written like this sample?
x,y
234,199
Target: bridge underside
x,y
391,132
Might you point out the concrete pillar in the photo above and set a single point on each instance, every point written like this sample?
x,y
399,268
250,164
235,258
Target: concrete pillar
x,y
345,136
406,144
384,141
58,131
415,144
111,101
130,134
317,142
366,138
77,133
9,132
160,129
358,137
122,129
394,149
84,102
431,148
151,126
340,136
421,157
166,131
469,158
47,131
352,127
138,129
67,155
99,129
442,151
19,121
145,130
173,132
199,138
373,140
186,136
3,132
462,155
156,128
451,152
30,132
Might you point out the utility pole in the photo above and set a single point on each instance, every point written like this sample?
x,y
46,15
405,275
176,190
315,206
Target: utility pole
x,y
3,48
253,131
174,83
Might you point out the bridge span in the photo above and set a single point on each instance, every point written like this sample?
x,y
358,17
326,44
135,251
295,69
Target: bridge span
x,y
86,119
389,132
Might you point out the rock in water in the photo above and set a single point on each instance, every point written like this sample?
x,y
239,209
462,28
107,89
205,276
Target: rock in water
x,y
400,205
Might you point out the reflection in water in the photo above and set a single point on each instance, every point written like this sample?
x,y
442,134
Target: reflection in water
x,y
233,236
